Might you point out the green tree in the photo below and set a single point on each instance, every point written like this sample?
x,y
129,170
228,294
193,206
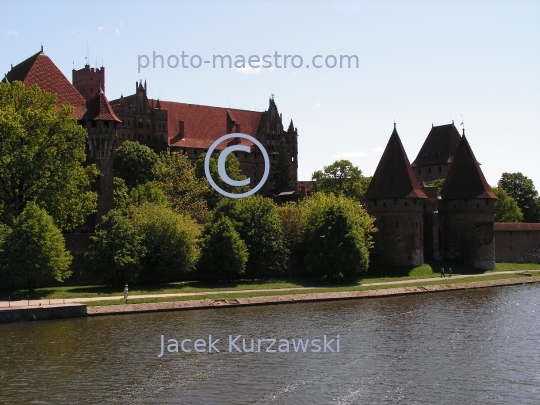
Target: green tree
x,y
522,190
42,151
257,221
120,192
438,183
135,163
291,220
336,236
224,254
147,193
35,249
282,175
341,177
232,167
506,208
116,250
176,177
170,241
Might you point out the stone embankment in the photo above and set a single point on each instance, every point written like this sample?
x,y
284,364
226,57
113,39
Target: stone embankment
x,y
71,310
296,298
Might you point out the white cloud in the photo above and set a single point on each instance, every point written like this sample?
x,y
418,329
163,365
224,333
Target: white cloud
x,y
318,105
12,33
350,154
248,70
117,31
378,150
100,28
121,23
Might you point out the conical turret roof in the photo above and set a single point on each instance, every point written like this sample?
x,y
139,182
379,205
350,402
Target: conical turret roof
x,y
394,177
465,178
99,109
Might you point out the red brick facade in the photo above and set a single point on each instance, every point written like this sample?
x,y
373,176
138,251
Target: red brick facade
x,y
193,128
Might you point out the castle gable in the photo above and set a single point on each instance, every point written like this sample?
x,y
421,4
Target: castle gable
x,y
40,70
394,177
439,147
465,178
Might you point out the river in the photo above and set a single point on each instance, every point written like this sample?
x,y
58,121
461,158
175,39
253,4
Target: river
x,y
465,347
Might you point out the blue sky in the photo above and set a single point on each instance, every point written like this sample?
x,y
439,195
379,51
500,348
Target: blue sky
x,y
420,62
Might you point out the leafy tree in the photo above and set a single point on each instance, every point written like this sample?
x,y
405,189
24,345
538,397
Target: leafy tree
x,y
257,221
439,184
336,235
147,193
341,177
506,208
291,220
169,238
283,172
120,192
116,250
232,167
42,151
176,177
522,190
135,163
224,253
34,249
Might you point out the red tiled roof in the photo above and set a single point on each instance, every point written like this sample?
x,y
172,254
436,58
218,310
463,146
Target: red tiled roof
x,y
100,109
394,177
516,226
39,69
465,178
204,124
439,147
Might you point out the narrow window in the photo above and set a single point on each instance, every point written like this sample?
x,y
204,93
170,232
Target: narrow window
x,y
395,201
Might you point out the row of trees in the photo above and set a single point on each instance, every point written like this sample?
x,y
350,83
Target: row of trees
x,y
328,236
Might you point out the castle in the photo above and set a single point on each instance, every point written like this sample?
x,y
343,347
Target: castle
x,y
414,222
158,124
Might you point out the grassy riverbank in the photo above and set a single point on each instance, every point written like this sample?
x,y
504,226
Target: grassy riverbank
x,y
376,274
439,281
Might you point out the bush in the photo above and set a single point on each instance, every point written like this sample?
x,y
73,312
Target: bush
x,y
170,240
147,240
335,236
257,221
116,250
223,254
34,249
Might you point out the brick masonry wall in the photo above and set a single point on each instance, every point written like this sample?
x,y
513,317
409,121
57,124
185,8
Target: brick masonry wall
x,y
517,246
399,241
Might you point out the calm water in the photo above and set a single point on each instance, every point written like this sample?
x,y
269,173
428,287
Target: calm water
x,y
472,347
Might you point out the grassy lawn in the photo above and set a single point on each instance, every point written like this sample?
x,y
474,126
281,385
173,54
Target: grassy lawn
x,y
376,274
446,281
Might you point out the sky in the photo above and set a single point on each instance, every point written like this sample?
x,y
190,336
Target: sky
x,y
420,63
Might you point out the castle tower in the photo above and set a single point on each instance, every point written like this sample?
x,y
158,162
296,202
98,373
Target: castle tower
x,y
100,122
396,201
88,80
467,212
436,155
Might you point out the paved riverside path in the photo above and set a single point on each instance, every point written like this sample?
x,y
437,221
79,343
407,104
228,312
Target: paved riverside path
x,y
120,297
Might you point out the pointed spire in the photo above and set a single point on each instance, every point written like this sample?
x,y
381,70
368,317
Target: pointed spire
x,y
465,178
394,177
291,127
158,105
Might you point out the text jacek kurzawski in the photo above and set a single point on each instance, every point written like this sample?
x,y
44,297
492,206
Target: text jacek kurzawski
x,y
238,344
